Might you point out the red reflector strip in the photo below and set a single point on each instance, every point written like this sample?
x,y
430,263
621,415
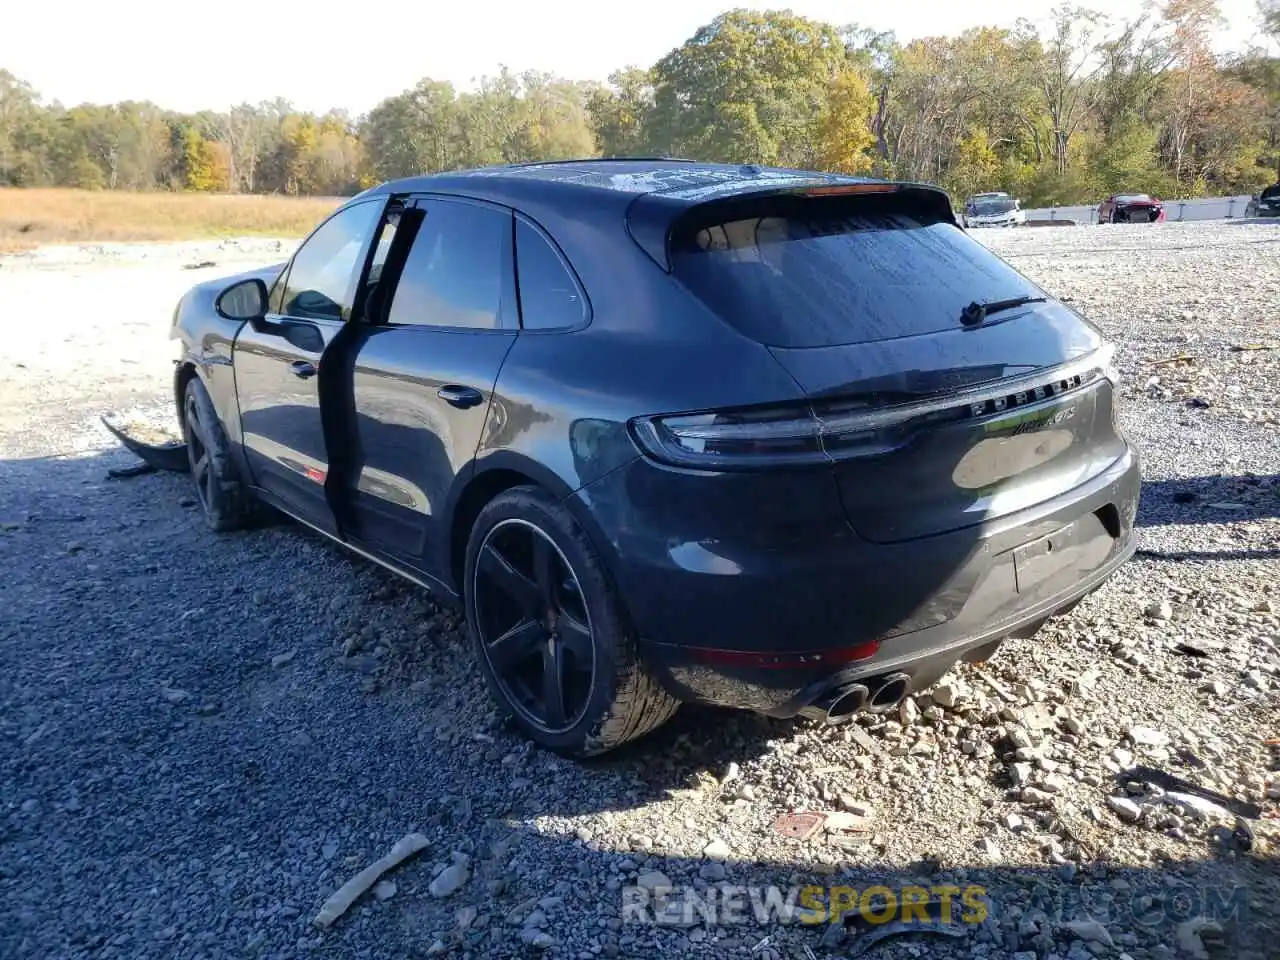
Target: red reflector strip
x,y
316,475
851,188
784,660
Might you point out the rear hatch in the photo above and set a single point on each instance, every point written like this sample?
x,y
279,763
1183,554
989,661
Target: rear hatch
x,y
931,424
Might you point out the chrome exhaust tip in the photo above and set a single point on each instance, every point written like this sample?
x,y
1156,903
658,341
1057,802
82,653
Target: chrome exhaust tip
x,y
848,701
837,705
889,692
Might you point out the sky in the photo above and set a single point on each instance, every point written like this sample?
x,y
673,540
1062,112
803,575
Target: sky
x,y
335,53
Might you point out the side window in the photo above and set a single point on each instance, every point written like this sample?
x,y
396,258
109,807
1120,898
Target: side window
x,y
321,280
549,297
275,296
386,235
453,275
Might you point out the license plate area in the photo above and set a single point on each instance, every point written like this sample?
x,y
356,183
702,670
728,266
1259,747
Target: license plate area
x,y
1076,549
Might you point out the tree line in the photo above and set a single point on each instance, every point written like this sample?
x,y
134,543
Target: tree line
x,y
1085,105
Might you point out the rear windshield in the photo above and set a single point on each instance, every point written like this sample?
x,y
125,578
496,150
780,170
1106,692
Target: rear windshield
x,y
823,272
985,208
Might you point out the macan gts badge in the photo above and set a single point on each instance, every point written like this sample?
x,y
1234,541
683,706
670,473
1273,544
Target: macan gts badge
x,y
671,432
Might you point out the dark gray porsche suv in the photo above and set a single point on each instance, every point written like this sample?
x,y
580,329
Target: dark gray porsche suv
x,y
672,431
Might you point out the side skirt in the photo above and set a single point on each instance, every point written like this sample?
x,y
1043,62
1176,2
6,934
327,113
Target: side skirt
x,y
431,584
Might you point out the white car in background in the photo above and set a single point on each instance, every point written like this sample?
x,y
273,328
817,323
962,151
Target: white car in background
x,y
993,210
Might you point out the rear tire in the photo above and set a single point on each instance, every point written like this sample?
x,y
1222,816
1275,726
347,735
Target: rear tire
x,y
224,500
540,604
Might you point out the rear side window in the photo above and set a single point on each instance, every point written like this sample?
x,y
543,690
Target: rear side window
x,y
453,275
795,272
549,297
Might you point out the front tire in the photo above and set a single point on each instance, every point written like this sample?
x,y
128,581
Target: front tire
x,y
224,500
550,633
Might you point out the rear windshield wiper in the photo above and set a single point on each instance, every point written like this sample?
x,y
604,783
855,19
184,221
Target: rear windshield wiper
x,y
975,313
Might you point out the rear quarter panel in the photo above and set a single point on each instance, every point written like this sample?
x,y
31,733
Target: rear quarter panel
x,y
563,399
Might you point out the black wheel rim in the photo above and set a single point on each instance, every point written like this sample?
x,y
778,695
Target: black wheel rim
x,y
533,625
198,455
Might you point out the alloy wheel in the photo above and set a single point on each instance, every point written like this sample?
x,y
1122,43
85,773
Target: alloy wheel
x,y
533,625
198,454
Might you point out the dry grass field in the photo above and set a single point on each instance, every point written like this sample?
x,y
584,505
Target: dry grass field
x,y
33,217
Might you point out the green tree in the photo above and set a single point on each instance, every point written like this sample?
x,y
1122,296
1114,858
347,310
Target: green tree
x,y
621,114
747,87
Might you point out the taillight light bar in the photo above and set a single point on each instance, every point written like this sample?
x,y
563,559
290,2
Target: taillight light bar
x,y
805,434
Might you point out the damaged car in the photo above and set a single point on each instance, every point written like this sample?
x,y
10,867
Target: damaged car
x,y
1265,204
1131,208
671,432
993,210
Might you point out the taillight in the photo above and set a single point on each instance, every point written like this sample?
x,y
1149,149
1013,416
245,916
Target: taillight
x,y
776,437
806,434
781,436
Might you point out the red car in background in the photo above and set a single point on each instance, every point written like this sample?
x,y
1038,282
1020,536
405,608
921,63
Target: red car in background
x,y
1130,208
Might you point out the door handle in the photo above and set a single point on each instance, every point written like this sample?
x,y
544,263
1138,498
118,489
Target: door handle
x,y
302,369
460,397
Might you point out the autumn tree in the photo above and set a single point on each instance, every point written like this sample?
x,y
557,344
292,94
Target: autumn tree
x,y
1192,24
843,132
1064,68
205,166
1260,71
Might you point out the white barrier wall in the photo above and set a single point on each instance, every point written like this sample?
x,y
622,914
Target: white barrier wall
x,y
1206,208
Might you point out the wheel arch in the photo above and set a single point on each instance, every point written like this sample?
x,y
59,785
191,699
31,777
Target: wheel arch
x,y
182,375
494,475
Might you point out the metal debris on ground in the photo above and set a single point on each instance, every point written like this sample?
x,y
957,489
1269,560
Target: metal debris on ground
x,y
350,891
137,470
865,941
799,826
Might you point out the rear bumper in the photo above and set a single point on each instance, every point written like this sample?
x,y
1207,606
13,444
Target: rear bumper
x,y
773,623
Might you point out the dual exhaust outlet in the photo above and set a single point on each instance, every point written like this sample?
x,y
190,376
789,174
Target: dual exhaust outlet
x,y
875,695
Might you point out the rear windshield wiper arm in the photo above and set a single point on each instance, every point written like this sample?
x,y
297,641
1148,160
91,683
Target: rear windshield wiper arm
x,y
976,312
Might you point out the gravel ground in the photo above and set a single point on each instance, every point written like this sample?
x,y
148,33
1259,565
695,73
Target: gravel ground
x,y
202,737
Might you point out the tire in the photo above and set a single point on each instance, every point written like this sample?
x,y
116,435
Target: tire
x,y
619,700
224,500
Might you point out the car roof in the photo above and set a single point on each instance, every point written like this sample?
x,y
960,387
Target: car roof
x,y
673,179
574,200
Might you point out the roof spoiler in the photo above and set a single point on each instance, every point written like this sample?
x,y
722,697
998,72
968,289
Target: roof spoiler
x,y
651,216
